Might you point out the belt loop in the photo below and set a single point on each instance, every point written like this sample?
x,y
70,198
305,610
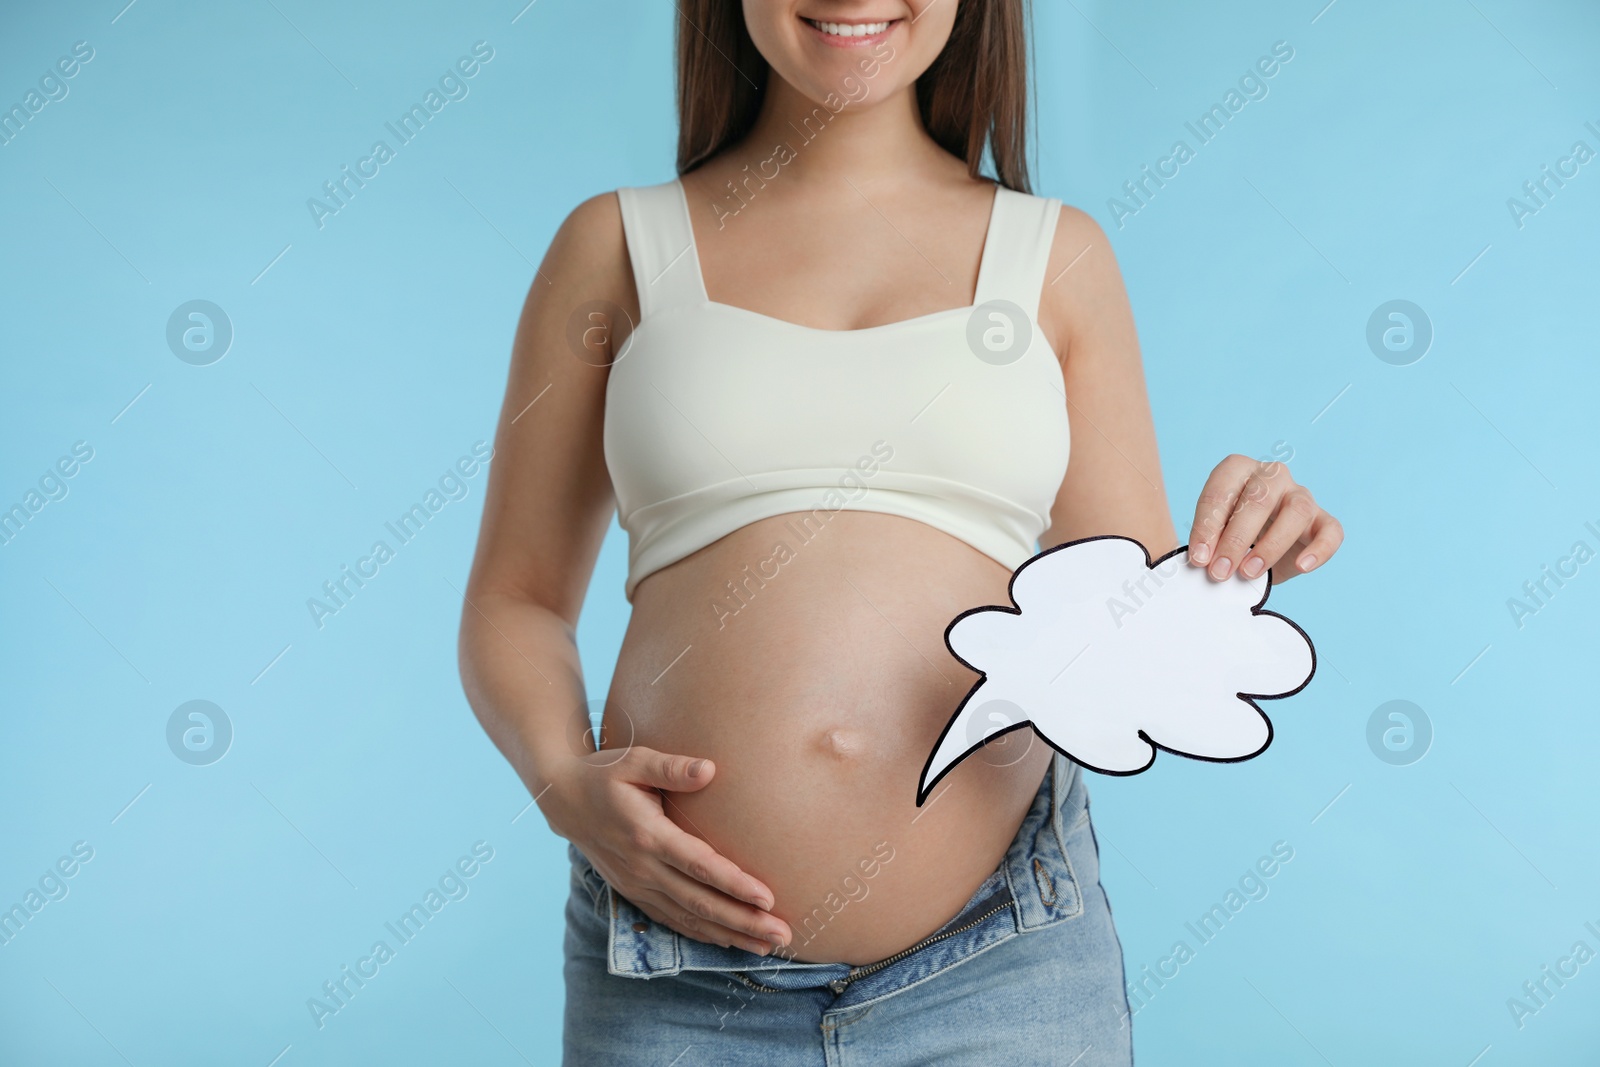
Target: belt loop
x,y
1043,882
637,946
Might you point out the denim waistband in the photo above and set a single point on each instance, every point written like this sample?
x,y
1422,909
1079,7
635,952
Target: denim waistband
x,y
1034,887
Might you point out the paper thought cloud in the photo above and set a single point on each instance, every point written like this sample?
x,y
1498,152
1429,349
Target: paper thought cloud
x,y
1109,657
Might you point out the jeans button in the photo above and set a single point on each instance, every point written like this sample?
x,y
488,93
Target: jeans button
x,y
1047,889
640,928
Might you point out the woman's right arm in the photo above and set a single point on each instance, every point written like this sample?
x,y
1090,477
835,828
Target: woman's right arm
x,y
548,506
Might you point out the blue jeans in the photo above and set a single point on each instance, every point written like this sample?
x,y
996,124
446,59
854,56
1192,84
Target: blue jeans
x,y
1029,972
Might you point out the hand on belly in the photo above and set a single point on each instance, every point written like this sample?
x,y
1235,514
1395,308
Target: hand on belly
x,y
819,700
610,804
857,870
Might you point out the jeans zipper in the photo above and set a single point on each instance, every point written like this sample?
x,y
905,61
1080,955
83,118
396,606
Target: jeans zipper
x,y
838,985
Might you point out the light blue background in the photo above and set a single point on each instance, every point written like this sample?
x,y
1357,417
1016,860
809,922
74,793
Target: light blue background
x,y
373,352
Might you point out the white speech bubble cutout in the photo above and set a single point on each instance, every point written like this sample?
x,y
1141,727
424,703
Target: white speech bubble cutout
x,y
1109,657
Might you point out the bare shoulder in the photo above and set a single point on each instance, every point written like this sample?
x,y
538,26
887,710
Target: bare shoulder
x,y
595,225
588,257
1084,294
1081,259
1075,229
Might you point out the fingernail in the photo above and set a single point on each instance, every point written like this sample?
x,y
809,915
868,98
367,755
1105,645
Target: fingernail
x,y
1307,561
1252,567
776,939
1200,553
694,768
1222,568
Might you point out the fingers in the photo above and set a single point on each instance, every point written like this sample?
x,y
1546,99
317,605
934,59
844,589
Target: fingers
x,y
1231,532
697,859
665,911
644,874
1216,504
1257,489
1295,514
1326,536
682,850
661,770
684,875
706,915
709,904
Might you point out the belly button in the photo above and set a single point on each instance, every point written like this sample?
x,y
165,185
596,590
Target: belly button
x,y
841,744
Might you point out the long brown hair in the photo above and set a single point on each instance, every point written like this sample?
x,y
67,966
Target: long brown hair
x,y
974,96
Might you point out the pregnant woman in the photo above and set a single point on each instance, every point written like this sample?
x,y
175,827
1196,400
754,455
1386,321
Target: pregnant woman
x,y
829,380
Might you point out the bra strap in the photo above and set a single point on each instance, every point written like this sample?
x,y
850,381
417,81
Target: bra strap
x,y
666,265
1017,250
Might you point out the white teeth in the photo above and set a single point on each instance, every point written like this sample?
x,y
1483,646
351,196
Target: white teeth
x,y
845,29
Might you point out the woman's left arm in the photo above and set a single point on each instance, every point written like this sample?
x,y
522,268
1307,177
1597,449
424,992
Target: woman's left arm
x,y
1113,481
1250,515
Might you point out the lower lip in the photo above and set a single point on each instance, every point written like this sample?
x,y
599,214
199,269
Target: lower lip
x,y
851,42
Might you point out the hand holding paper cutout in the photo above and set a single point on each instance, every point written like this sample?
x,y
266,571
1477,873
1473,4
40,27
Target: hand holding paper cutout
x,y
1109,657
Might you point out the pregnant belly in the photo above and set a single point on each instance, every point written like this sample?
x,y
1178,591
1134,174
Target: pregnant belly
x,y
818,686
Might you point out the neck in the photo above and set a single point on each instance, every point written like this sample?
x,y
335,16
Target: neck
x,y
861,145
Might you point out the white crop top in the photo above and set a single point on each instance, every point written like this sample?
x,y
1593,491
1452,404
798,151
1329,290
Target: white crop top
x,y
717,416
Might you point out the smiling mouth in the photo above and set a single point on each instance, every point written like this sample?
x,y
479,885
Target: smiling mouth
x,y
851,33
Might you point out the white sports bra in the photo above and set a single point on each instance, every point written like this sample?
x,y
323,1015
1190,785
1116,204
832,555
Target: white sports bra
x,y
717,416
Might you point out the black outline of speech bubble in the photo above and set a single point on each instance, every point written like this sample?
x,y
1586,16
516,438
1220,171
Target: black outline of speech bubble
x,y
1248,698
